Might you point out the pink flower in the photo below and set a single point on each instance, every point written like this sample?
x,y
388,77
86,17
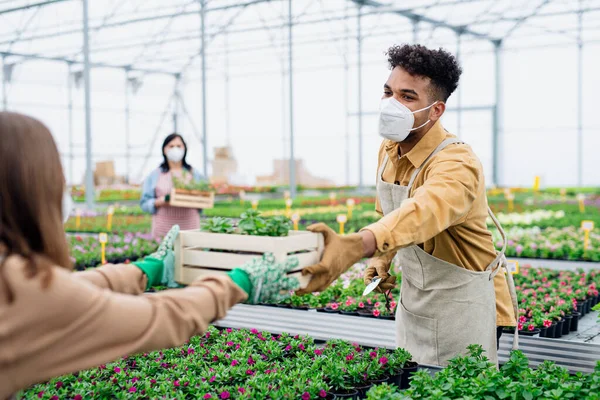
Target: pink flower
x,y
318,352
301,347
225,395
250,372
349,302
55,397
229,344
234,363
393,304
242,390
305,396
520,326
377,304
530,327
176,383
288,348
78,397
383,360
254,331
350,357
522,319
251,361
132,389
41,394
59,384
134,380
322,393
207,396
373,354
117,370
190,351
361,305
334,306
376,313
212,379
229,330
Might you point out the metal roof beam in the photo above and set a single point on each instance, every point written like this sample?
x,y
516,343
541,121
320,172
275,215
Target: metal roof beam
x,y
75,62
463,30
28,6
134,21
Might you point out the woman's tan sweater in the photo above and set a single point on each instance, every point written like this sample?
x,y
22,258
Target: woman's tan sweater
x,y
85,319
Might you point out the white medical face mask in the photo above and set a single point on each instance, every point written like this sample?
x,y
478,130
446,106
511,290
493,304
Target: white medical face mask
x,y
396,120
67,206
175,154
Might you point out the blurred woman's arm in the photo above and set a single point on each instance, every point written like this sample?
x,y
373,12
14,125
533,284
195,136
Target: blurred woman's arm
x,y
148,195
120,278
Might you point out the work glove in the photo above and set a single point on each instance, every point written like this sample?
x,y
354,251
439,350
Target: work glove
x,y
265,280
341,252
380,267
159,266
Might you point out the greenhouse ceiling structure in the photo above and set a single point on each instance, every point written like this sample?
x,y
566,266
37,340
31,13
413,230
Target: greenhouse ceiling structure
x,y
177,39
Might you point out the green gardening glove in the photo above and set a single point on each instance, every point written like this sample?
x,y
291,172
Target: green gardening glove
x,y
159,266
265,280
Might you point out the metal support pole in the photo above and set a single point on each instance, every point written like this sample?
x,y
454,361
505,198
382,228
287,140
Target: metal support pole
x,y
176,103
127,128
291,111
70,108
4,85
579,97
497,151
203,59
459,91
89,173
227,114
359,82
347,98
415,23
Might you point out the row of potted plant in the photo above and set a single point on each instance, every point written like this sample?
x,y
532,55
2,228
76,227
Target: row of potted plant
x,y
551,302
238,364
472,376
551,243
86,251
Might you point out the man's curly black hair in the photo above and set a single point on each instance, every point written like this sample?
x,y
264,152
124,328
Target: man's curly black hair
x,y
438,65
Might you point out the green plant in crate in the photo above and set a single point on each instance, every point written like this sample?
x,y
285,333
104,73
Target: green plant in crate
x,y
384,392
201,186
251,223
218,225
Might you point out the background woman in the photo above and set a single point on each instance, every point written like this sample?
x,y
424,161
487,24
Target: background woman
x,y
54,321
159,183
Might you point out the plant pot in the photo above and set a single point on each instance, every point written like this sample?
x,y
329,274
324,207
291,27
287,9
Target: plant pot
x,y
388,317
385,379
303,308
551,331
559,327
575,321
534,332
283,305
367,314
580,309
330,311
330,396
587,306
543,331
345,394
567,325
362,390
396,379
352,313
407,372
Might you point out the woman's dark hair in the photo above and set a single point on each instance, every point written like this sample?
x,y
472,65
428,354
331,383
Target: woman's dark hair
x,y
164,167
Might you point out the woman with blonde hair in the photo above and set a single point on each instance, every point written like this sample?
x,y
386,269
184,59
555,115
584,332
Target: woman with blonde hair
x,y
54,321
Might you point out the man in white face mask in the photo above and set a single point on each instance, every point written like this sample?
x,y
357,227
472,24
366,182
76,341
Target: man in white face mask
x,y
431,193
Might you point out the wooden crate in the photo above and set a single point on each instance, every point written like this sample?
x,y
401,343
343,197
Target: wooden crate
x,y
197,253
191,199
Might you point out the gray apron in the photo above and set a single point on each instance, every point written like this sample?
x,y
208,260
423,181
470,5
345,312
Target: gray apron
x,y
443,308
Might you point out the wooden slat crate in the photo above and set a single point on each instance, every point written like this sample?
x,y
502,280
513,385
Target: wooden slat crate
x,y
186,199
201,253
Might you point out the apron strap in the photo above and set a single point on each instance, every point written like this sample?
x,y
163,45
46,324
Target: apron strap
x,y
441,147
382,167
500,262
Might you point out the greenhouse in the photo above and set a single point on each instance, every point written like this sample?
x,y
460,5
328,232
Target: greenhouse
x,y
299,199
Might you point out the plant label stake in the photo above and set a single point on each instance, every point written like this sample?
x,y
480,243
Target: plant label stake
x,y
254,204
563,195
77,218
332,199
371,286
536,184
109,217
242,197
288,207
587,227
512,266
350,205
103,238
295,220
511,202
581,199
341,219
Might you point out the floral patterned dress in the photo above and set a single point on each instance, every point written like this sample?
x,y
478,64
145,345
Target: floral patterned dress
x,y
167,216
